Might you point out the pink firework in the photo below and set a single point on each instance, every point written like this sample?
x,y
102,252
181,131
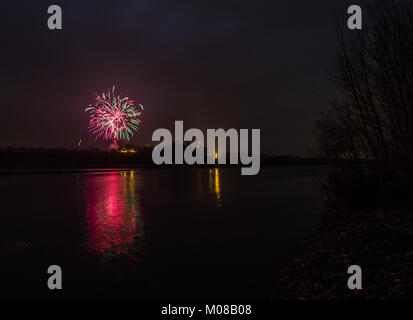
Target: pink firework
x,y
113,117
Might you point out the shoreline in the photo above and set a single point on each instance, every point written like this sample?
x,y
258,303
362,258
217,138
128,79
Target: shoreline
x,y
379,241
65,170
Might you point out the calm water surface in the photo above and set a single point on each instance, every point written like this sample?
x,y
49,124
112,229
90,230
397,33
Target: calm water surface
x,y
154,233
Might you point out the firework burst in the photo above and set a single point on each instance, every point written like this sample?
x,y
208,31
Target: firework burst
x,y
113,117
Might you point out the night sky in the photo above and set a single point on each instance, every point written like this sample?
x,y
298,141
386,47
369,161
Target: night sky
x,y
214,64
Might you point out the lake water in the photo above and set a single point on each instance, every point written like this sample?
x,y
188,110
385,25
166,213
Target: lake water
x,y
154,233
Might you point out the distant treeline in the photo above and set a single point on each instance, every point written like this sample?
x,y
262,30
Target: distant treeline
x,y
64,158
94,158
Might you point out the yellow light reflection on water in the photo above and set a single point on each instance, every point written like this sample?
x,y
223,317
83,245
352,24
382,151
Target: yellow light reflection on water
x,y
215,185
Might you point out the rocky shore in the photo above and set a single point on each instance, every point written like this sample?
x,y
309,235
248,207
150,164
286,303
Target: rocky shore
x,y
380,242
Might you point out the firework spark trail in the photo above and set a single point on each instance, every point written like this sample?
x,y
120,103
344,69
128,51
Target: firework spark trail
x,y
113,117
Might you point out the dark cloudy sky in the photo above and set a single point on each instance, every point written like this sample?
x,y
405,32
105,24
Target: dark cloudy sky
x,y
214,64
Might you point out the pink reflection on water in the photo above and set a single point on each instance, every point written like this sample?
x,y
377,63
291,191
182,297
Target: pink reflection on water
x,y
113,214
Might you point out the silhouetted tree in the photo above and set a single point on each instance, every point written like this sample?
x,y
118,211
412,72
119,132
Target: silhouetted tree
x,y
371,115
